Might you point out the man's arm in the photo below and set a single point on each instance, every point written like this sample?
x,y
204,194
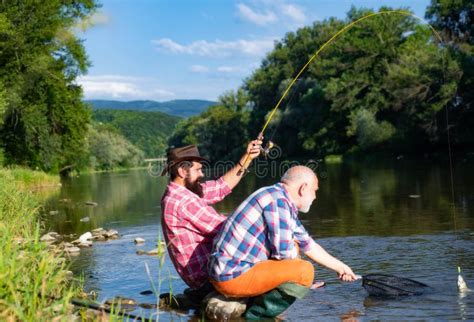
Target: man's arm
x,y
321,256
232,177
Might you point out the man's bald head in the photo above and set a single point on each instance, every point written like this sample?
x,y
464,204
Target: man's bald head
x,y
299,174
301,183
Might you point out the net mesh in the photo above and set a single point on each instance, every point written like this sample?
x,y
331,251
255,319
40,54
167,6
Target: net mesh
x,y
389,285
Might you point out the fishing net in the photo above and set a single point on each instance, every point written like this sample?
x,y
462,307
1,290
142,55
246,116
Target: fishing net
x,y
389,285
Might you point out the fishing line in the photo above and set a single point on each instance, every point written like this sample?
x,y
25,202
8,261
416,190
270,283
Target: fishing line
x,y
316,54
329,42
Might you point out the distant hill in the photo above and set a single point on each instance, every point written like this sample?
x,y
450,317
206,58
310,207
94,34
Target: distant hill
x,y
149,131
181,108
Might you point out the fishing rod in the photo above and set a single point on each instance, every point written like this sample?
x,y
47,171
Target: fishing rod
x,y
346,28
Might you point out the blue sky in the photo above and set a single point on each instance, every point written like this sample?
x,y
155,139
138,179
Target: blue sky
x,y
164,50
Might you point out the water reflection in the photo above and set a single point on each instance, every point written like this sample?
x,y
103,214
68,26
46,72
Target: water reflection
x,y
363,214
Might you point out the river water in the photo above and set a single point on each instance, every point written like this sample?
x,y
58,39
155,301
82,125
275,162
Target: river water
x,y
393,217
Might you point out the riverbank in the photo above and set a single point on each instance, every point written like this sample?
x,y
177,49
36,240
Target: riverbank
x,y
35,283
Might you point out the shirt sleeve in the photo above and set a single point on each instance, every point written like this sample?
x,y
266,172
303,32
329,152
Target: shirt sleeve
x,y
277,216
205,220
305,242
215,190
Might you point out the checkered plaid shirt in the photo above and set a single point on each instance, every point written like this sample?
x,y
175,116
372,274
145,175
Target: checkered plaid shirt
x,y
265,226
189,226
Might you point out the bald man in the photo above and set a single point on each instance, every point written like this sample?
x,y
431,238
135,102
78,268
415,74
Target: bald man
x,y
257,250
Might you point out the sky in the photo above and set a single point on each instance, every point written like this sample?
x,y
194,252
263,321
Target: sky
x,y
174,49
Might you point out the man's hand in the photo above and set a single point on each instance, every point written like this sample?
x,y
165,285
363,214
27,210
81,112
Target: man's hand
x,y
346,274
253,149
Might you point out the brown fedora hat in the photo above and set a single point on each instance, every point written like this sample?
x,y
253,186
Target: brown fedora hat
x,y
185,153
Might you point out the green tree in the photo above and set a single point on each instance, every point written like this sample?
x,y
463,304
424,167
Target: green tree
x,y
149,131
220,132
109,149
45,122
455,21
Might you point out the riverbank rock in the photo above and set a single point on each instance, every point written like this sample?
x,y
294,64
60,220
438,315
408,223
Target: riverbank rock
x,y
139,240
72,250
221,308
123,303
85,237
49,238
101,234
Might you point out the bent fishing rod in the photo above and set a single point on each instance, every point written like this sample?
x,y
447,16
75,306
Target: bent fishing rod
x,y
346,28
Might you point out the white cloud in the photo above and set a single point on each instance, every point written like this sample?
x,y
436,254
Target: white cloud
x,y
199,69
121,87
257,18
295,13
218,48
231,69
277,11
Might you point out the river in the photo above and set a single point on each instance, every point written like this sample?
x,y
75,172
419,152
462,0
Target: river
x,y
393,217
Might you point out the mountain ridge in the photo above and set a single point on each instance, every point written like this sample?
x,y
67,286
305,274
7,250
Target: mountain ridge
x,y
182,108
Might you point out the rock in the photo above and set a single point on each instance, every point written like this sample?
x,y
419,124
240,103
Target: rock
x,y
147,292
65,200
140,252
414,196
221,308
123,303
47,238
85,237
72,250
91,203
148,306
69,275
99,237
85,244
98,231
111,233
54,212
85,219
139,240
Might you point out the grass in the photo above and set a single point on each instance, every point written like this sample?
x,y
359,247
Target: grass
x,y
33,281
27,180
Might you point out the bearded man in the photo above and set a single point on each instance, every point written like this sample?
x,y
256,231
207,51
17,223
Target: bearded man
x,y
189,222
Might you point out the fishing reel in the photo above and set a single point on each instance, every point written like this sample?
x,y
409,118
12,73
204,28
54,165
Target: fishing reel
x,y
267,149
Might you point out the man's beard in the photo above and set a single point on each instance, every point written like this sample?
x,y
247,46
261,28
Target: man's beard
x,y
194,186
306,206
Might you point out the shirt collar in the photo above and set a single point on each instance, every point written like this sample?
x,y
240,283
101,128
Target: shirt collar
x,y
280,186
177,188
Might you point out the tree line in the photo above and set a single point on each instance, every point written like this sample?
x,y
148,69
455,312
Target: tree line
x,y
387,85
44,124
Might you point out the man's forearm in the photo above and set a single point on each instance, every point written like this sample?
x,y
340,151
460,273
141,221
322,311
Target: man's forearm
x,y
322,257
232,176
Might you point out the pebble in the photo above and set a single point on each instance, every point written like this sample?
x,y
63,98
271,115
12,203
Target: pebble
x,y
54,212
85,237
414,196
47,238
147,292
91,203
139,240
85,219
72,250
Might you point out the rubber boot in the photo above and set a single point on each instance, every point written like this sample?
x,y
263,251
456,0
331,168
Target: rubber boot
x,y
275,302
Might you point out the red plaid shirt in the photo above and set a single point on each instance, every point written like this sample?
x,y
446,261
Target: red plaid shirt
x,y
190,225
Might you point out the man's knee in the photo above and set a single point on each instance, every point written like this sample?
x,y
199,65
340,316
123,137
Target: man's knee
x,y
306,273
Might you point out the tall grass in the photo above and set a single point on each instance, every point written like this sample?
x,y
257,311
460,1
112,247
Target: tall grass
x,y
26,179
33,280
